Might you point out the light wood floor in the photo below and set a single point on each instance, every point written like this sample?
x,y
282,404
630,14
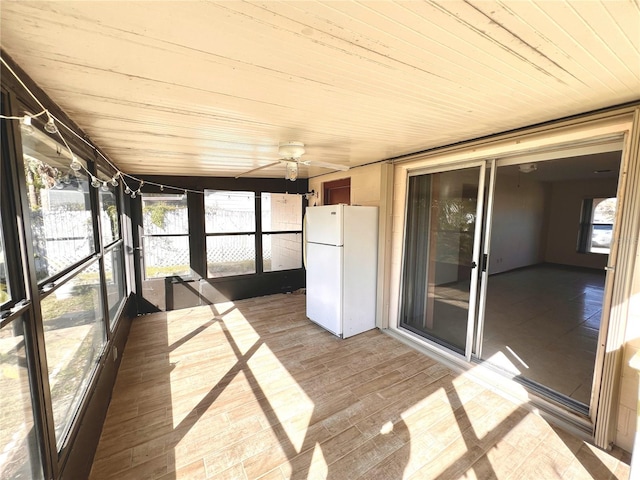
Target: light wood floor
x,y
254,390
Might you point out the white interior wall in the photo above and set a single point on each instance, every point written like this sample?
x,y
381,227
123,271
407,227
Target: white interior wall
x,y
518,230
564,221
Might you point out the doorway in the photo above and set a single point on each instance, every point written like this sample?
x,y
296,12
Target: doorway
x,y
551,232
337,192
516,282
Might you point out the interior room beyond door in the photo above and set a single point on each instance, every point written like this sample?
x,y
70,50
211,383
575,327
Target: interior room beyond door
x,y
551,234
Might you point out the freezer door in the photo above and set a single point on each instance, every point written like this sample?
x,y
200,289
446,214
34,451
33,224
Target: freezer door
x,y
324,286
324,224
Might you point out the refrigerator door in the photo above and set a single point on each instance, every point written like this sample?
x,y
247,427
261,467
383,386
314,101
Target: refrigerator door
x,y
324,286
360,269
324,225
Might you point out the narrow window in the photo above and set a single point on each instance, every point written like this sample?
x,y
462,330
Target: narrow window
x,y
282,231
596,225
18,435
165,241
112,244
109,211
230,226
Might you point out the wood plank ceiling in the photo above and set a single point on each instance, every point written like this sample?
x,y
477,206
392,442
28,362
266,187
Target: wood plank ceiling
x,y
211,88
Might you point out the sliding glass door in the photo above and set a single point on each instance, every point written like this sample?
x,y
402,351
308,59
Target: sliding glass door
x,y
442,249
515,275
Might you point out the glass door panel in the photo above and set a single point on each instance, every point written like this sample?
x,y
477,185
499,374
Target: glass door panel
x,y
441,255
544,299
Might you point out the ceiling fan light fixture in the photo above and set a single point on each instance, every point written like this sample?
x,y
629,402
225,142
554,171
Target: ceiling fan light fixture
x,y
291,172
291,149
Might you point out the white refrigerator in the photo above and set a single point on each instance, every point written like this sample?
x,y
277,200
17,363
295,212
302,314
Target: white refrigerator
x,y
342,267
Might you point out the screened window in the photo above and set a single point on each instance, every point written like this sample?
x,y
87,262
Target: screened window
x,y
229,212
596,226
74,338
230,225
115,281
19,457
5,289
60,220
165,242
282,231
59,206
109,214
113,259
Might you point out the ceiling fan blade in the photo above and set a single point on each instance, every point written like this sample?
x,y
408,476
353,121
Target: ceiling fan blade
x,y
256,169
333,166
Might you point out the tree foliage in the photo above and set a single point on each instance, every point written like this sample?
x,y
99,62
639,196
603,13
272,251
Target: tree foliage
x,y
158,211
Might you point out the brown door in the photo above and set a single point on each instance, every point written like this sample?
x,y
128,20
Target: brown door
x,y
338,191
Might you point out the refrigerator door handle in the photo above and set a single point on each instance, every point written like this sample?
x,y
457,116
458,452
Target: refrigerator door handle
x,y
304,240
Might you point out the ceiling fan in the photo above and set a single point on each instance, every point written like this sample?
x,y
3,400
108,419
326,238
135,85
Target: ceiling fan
x,y
291,153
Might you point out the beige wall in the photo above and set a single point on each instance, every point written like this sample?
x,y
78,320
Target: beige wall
x,y
518,230
564,221
371,185
626,425
366,185
628,398
627,413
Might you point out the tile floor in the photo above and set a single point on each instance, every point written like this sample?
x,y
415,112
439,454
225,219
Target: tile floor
x,y
542,323
252,389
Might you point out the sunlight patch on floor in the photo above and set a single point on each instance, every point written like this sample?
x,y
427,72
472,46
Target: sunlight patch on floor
x,y
244,336
432,425
319,467
516,356
187,366
285,398
386,428
500,360
483,412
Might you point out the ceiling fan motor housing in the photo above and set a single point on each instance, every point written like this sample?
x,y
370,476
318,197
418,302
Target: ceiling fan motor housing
x,y
291,149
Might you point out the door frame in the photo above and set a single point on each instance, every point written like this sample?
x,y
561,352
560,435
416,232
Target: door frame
x,y
475,257
610,145
486,254
343,185
595,127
